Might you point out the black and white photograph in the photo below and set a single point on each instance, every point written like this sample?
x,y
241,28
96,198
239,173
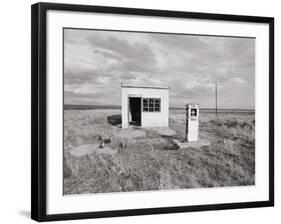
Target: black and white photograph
x,y
139,111
148,111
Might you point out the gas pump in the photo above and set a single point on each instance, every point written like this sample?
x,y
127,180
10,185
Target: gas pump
x,y
192,122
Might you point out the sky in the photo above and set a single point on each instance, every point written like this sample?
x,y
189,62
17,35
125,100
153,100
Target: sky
x,y
96,62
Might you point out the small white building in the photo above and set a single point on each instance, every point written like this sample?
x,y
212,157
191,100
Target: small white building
x,y
145,106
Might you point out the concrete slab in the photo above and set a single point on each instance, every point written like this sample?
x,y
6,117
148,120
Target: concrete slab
x,y
86,149
198,144
164,131
131,133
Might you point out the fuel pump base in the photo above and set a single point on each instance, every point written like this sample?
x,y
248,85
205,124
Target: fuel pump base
x,y
196,145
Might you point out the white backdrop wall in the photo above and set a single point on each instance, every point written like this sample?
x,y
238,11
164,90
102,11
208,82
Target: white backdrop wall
x,y
15,110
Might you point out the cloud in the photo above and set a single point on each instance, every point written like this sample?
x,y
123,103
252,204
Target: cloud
x,y
131,56
180,42
97,61
238,80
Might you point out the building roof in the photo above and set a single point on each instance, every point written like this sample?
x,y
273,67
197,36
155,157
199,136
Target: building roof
x,y
143,86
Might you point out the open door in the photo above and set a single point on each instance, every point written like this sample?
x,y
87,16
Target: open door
x,y
135,111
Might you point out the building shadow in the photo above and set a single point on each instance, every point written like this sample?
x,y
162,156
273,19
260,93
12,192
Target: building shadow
x,y
115,119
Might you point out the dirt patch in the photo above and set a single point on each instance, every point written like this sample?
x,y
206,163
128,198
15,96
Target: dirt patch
x,y
86,149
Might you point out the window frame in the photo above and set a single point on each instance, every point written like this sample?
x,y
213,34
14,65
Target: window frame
x,y
146,108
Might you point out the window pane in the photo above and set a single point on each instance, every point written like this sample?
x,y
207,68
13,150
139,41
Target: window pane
x,y
145,101
157,109
157,105
150,109
145,109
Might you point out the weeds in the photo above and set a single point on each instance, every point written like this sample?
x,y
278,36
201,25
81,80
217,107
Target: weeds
x,y
152,163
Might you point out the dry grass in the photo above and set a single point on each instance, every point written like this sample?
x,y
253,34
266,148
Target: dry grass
x,y
153,163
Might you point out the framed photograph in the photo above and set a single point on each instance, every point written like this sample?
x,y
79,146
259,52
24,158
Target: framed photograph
x,y
140,111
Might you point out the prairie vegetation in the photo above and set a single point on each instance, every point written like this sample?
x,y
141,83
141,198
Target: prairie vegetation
x,y
152,162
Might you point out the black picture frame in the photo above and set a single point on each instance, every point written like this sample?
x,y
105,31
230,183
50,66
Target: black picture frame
x,y
39,108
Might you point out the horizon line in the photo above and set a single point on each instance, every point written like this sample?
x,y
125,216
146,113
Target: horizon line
x,y
173,107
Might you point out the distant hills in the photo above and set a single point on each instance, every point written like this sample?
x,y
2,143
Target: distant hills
x,y
96,107
89,107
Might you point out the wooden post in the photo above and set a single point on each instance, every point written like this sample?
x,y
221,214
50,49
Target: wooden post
x,y
216,100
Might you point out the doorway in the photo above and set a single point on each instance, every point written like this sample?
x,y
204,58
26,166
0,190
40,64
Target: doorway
x,y
135,111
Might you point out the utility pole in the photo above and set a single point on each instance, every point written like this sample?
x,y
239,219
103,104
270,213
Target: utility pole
x,y
216,100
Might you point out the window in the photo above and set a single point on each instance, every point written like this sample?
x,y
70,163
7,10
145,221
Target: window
x,y
193,112
151,104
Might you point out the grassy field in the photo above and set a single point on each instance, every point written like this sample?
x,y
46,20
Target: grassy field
x,y
153,162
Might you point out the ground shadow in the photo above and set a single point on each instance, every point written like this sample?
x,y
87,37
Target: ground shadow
x,y
114,119
170,145
24,213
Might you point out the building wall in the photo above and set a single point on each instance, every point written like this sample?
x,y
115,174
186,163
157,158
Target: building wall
x,y
148,119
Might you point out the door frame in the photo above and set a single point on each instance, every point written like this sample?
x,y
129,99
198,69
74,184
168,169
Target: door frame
x,y
128,106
